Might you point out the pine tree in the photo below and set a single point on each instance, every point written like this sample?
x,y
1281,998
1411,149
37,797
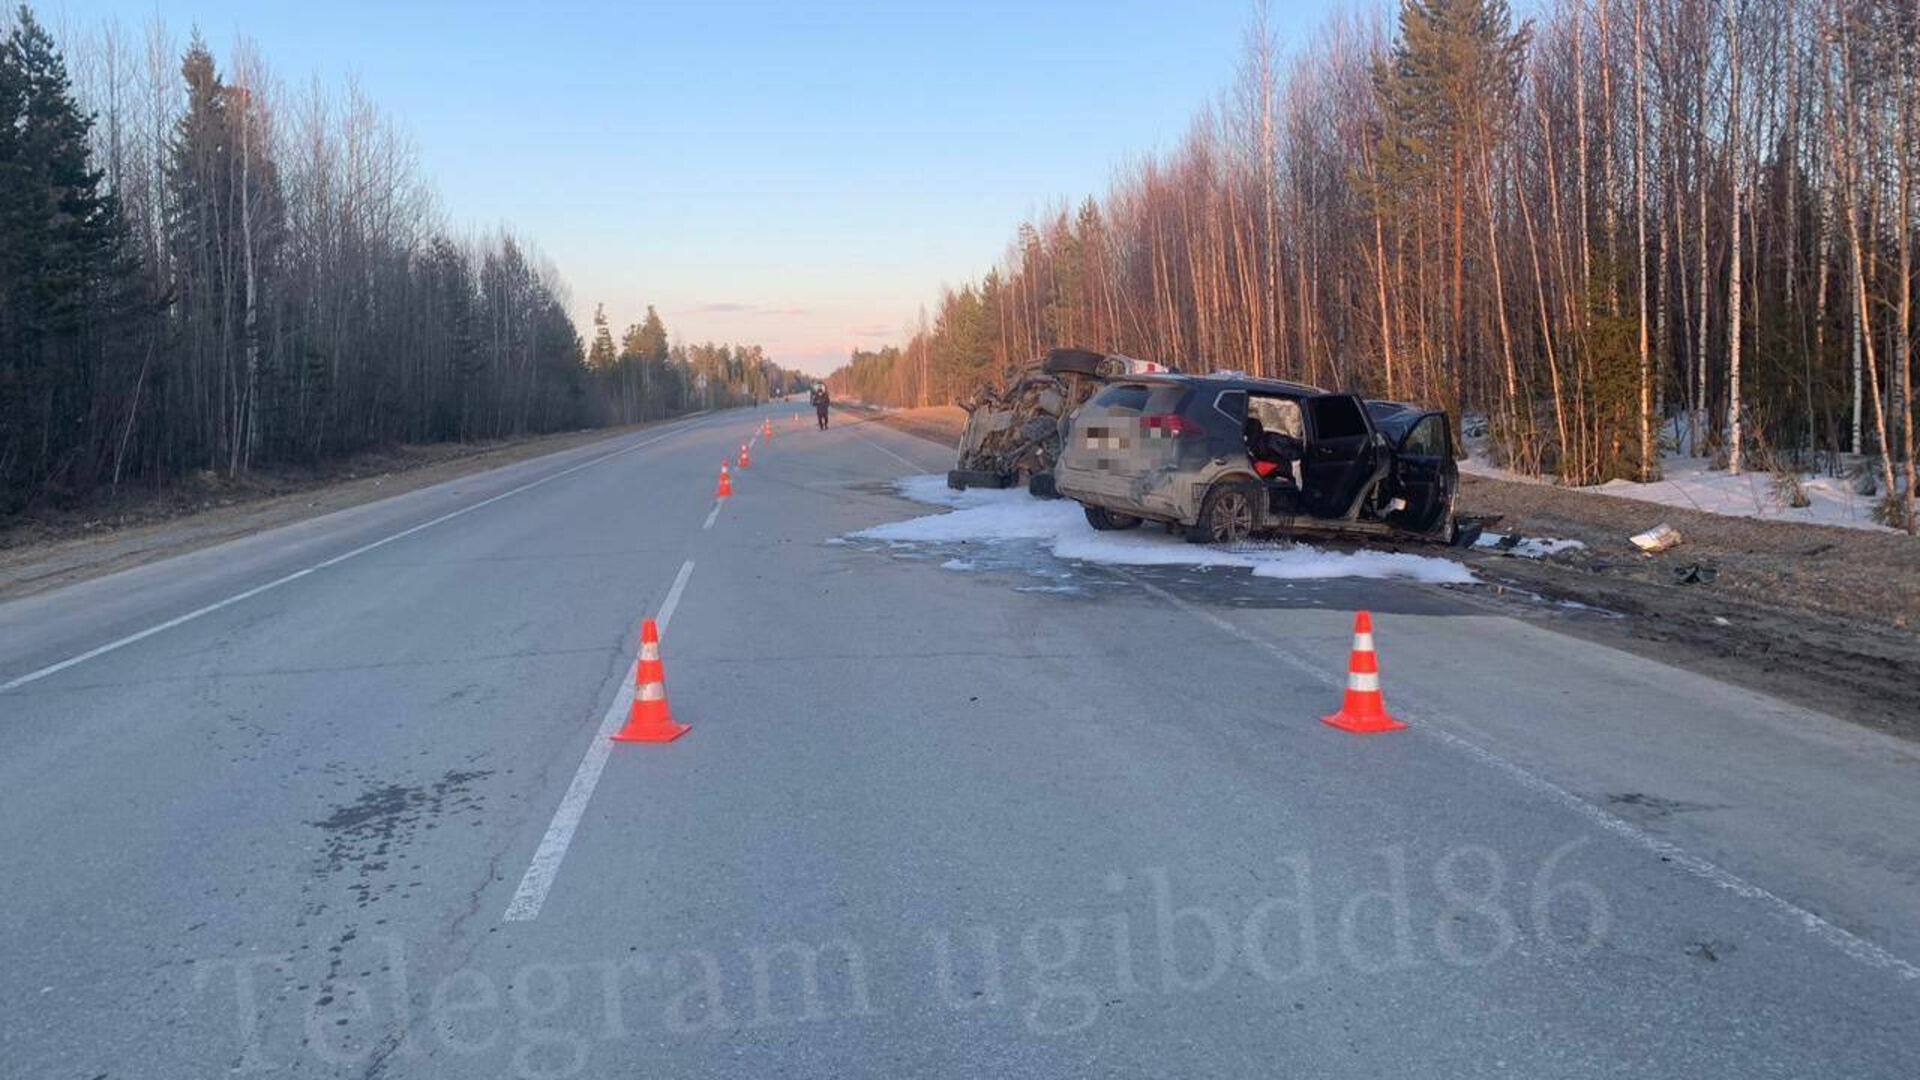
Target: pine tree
x,y
227,206
654,375
65,272
601,356
1446,90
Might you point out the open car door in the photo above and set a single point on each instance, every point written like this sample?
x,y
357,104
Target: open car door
x,y
1423,475
1344,458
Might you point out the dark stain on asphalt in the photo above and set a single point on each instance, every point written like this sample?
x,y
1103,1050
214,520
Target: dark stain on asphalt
x,y
365,839
1709,951
1643,807
365,835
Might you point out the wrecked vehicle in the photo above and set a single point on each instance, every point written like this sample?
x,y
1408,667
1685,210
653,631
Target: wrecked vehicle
x,y
1013,435
1225,457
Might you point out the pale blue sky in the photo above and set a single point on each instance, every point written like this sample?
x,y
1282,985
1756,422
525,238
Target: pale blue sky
x,y
800,175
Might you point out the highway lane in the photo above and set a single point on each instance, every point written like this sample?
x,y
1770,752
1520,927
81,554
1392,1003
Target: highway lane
x,y
1012,832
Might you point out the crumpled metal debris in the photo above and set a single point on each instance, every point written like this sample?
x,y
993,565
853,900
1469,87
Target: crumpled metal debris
x,y
1017,430
1014,433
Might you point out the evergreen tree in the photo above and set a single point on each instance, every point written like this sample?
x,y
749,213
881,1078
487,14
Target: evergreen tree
x,y
226,205
601,356
65,273
1445,91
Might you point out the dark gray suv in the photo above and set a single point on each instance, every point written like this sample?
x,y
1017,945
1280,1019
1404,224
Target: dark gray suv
x,y
1225,457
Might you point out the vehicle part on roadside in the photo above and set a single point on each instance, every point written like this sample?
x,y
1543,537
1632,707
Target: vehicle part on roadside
x,y
1694,574
1467,531
1013,434
1659,538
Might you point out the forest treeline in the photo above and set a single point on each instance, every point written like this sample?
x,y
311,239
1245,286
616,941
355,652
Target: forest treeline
x,y
202,272
1618,224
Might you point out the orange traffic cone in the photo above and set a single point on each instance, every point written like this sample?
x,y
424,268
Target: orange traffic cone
x,y
1364,712
746,460
726,483
651,720
766,427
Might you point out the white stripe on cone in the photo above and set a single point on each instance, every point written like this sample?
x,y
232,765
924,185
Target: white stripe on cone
x,y
653,691
649,651
1364,681
1363,642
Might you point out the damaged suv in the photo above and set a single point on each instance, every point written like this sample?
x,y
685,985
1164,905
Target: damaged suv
x,y
1226,457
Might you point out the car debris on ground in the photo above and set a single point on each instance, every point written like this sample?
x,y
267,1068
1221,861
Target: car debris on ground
x,y
1659,538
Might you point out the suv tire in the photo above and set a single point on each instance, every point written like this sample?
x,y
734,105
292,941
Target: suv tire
x,y
1228,513
1106,520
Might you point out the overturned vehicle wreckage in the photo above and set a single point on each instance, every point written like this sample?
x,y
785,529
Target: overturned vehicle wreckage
x,y
1224,457
1013,436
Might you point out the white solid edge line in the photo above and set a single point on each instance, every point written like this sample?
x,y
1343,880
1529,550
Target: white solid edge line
x,y
545,866
1858,948
672,601
917,468
141,635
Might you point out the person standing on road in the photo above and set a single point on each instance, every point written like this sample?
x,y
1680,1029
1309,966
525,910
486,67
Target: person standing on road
x,y
821,400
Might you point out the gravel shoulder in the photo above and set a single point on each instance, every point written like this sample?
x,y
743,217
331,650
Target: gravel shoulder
x,y
48,548
1817,615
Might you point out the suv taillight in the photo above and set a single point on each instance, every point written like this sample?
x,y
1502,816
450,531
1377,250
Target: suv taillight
x,y
1168,426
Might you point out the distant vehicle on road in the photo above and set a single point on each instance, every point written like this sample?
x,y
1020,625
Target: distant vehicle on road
x,y
1225,457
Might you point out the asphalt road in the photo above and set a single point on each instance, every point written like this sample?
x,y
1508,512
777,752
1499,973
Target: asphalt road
x,y
335,801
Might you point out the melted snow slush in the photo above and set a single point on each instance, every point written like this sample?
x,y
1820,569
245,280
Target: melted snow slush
x,y
1011,530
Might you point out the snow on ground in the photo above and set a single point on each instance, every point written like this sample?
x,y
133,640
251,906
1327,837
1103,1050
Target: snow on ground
x,y
1012,514
1689,483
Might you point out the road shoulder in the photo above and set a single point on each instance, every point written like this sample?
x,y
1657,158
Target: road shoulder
x,y
52,551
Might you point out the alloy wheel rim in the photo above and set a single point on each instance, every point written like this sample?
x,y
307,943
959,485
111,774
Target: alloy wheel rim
x,y
1232,518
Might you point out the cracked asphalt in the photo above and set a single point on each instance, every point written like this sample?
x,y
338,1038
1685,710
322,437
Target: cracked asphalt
x,y
1029,818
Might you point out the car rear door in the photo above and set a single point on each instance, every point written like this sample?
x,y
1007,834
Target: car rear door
x,y
1342,455
1424,474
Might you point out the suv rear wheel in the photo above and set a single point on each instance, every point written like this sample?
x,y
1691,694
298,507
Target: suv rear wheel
x,y
1227,514
1106,520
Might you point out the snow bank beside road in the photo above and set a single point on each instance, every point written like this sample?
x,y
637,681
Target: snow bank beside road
x,y
988,516
1690,484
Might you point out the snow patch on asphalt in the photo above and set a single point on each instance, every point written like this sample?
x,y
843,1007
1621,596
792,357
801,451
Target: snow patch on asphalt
x,y
978,515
